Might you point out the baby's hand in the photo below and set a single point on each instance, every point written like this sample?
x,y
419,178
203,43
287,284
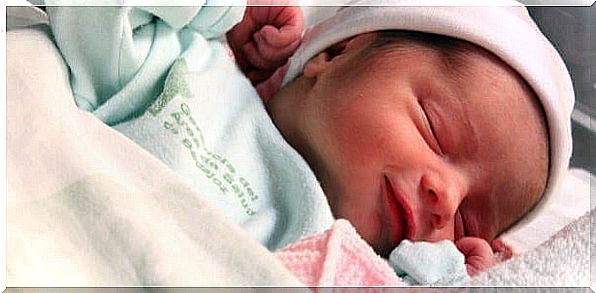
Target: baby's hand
x,y
478,253
265,38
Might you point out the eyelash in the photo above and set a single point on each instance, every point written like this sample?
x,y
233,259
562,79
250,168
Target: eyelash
x,y
437,146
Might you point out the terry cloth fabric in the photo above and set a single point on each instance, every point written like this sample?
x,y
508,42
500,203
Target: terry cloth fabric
x,y
564,260
425,263
337,257
506,31
208,124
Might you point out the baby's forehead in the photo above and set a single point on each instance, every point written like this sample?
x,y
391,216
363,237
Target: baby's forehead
x,y
462,59
458,58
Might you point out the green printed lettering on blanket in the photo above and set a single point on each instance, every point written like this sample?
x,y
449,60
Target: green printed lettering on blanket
x,y
181,123
210,127
175,84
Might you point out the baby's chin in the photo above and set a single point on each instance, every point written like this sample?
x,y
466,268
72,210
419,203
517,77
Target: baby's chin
x,y
381,243
384,250
370,231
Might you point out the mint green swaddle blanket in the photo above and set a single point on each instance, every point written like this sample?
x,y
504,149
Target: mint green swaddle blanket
x,y
162,77
425,263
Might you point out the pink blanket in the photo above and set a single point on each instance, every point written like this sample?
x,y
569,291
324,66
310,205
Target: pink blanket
x,y
337,257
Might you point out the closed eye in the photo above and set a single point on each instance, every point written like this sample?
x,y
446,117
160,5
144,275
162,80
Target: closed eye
x,y
434,142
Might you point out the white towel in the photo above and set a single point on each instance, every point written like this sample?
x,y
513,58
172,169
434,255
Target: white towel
x,y
562,261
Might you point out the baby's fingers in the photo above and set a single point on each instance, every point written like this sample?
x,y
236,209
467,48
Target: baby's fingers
x,y
273,52
265,57
478,253
281,37
476,265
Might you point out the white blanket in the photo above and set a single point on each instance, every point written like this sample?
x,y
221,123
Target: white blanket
x,y
88,207
563,260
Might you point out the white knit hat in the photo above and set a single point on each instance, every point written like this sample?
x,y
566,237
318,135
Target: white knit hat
x,y
506,31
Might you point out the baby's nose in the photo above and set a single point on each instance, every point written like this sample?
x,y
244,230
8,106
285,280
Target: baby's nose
x,y
442,197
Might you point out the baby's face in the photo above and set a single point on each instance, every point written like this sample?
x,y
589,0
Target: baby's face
x,y
405,147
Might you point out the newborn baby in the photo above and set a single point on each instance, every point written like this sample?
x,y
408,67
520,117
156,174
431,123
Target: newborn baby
x,y
359,100
418,135
411,134
406,133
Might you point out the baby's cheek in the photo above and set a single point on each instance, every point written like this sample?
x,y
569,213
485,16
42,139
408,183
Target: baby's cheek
x,y
358,142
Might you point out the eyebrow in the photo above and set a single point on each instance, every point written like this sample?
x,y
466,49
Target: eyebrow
x,y
466,140
455,59
454,56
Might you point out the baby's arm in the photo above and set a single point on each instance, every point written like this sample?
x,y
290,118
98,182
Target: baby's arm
x,y
264,40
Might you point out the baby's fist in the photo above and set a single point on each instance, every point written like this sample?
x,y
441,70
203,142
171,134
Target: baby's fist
x,y
478,253
265,38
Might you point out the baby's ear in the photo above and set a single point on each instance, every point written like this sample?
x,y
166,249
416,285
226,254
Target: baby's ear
x,y
317,65
324,59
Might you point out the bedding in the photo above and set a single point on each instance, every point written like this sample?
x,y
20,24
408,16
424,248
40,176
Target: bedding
x,y
572,202
337,257
24,16
190,106
81,213
88,207
563,260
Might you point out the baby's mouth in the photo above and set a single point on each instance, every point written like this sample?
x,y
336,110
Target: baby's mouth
x,y
400,215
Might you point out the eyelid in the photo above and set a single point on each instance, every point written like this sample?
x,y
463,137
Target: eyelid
x,y
435,145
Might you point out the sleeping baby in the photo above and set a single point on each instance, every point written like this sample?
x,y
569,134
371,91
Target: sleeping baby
x,y
410,122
